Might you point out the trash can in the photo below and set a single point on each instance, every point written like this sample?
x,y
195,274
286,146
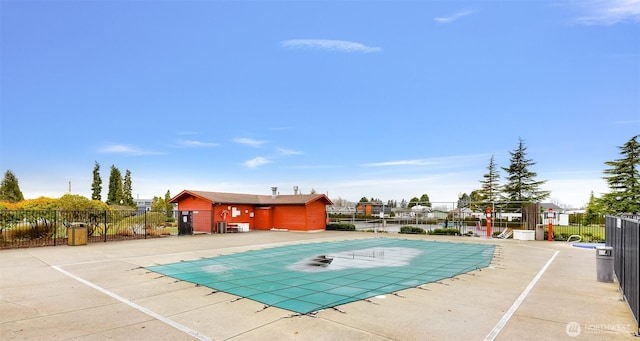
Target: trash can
x,y
539,232
222,227
604,263
77,234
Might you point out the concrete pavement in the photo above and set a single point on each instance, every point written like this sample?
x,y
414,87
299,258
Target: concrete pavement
x,y
534,290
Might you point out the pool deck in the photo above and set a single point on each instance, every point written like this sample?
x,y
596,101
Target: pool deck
x,y
533,290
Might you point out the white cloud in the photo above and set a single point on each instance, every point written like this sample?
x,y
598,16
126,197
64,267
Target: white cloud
x,y
608,12
327,44
417,162
284,151
127,150
256,162
249,142
454,161
193,143
452,18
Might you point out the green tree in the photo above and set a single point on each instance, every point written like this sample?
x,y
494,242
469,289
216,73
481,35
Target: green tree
x,y
115,187
364,199
168,205
424,200
490,190
464,201
158,204
413,202
9,188
623,179
127,189
477,200
69,202
593,210
96,186
521,186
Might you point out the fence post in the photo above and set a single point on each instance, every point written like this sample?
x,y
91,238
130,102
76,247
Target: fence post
x,y
105,226
145,224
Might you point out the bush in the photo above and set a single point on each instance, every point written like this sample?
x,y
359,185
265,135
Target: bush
x,y
340,227
450,232
40,228
412,230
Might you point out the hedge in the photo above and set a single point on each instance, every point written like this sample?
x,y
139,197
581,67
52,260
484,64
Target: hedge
x,y
412,230
452,232
340,227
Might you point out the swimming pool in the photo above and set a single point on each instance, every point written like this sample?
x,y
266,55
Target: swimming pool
x,y
308,277
588,245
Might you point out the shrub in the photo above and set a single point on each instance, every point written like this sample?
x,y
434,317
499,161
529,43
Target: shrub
x,y
412,230
158,231
451,232
340,227
40,228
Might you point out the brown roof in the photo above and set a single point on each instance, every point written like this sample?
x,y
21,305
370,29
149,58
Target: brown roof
x,y
253,199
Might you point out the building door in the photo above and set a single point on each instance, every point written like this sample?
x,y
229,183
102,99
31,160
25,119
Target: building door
x,y
185,226
263,219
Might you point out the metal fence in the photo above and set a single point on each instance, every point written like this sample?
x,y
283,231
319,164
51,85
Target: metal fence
x,y
31,228
623,235
475,223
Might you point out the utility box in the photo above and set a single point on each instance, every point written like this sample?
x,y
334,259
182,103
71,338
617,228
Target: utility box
x,y
539,232
604,263
77,234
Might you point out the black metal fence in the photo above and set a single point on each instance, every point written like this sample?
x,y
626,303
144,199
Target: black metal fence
x,y
623,235
31,228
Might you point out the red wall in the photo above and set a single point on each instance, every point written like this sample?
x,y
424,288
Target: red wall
x,y
300,218
201,213
316,216
244,216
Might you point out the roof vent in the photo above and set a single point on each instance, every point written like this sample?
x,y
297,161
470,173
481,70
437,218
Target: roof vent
x,y
274,192
295,190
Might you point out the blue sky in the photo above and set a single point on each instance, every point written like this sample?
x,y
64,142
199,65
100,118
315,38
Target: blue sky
x,y
383,99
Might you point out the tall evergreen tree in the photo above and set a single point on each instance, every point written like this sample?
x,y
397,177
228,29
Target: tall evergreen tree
x,y
623,179
127,190
490,191
169,206
521,186
9,188
96,186
115,187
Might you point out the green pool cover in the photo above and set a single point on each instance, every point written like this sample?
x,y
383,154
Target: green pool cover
x,y
308,277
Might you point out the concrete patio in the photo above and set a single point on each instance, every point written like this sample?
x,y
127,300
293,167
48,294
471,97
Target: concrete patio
x,y
532,290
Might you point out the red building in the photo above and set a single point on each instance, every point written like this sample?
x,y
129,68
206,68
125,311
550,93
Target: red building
x,y
203,211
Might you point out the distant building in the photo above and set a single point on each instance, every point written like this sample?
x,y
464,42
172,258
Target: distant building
x,y
143,205
332,209
372,209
